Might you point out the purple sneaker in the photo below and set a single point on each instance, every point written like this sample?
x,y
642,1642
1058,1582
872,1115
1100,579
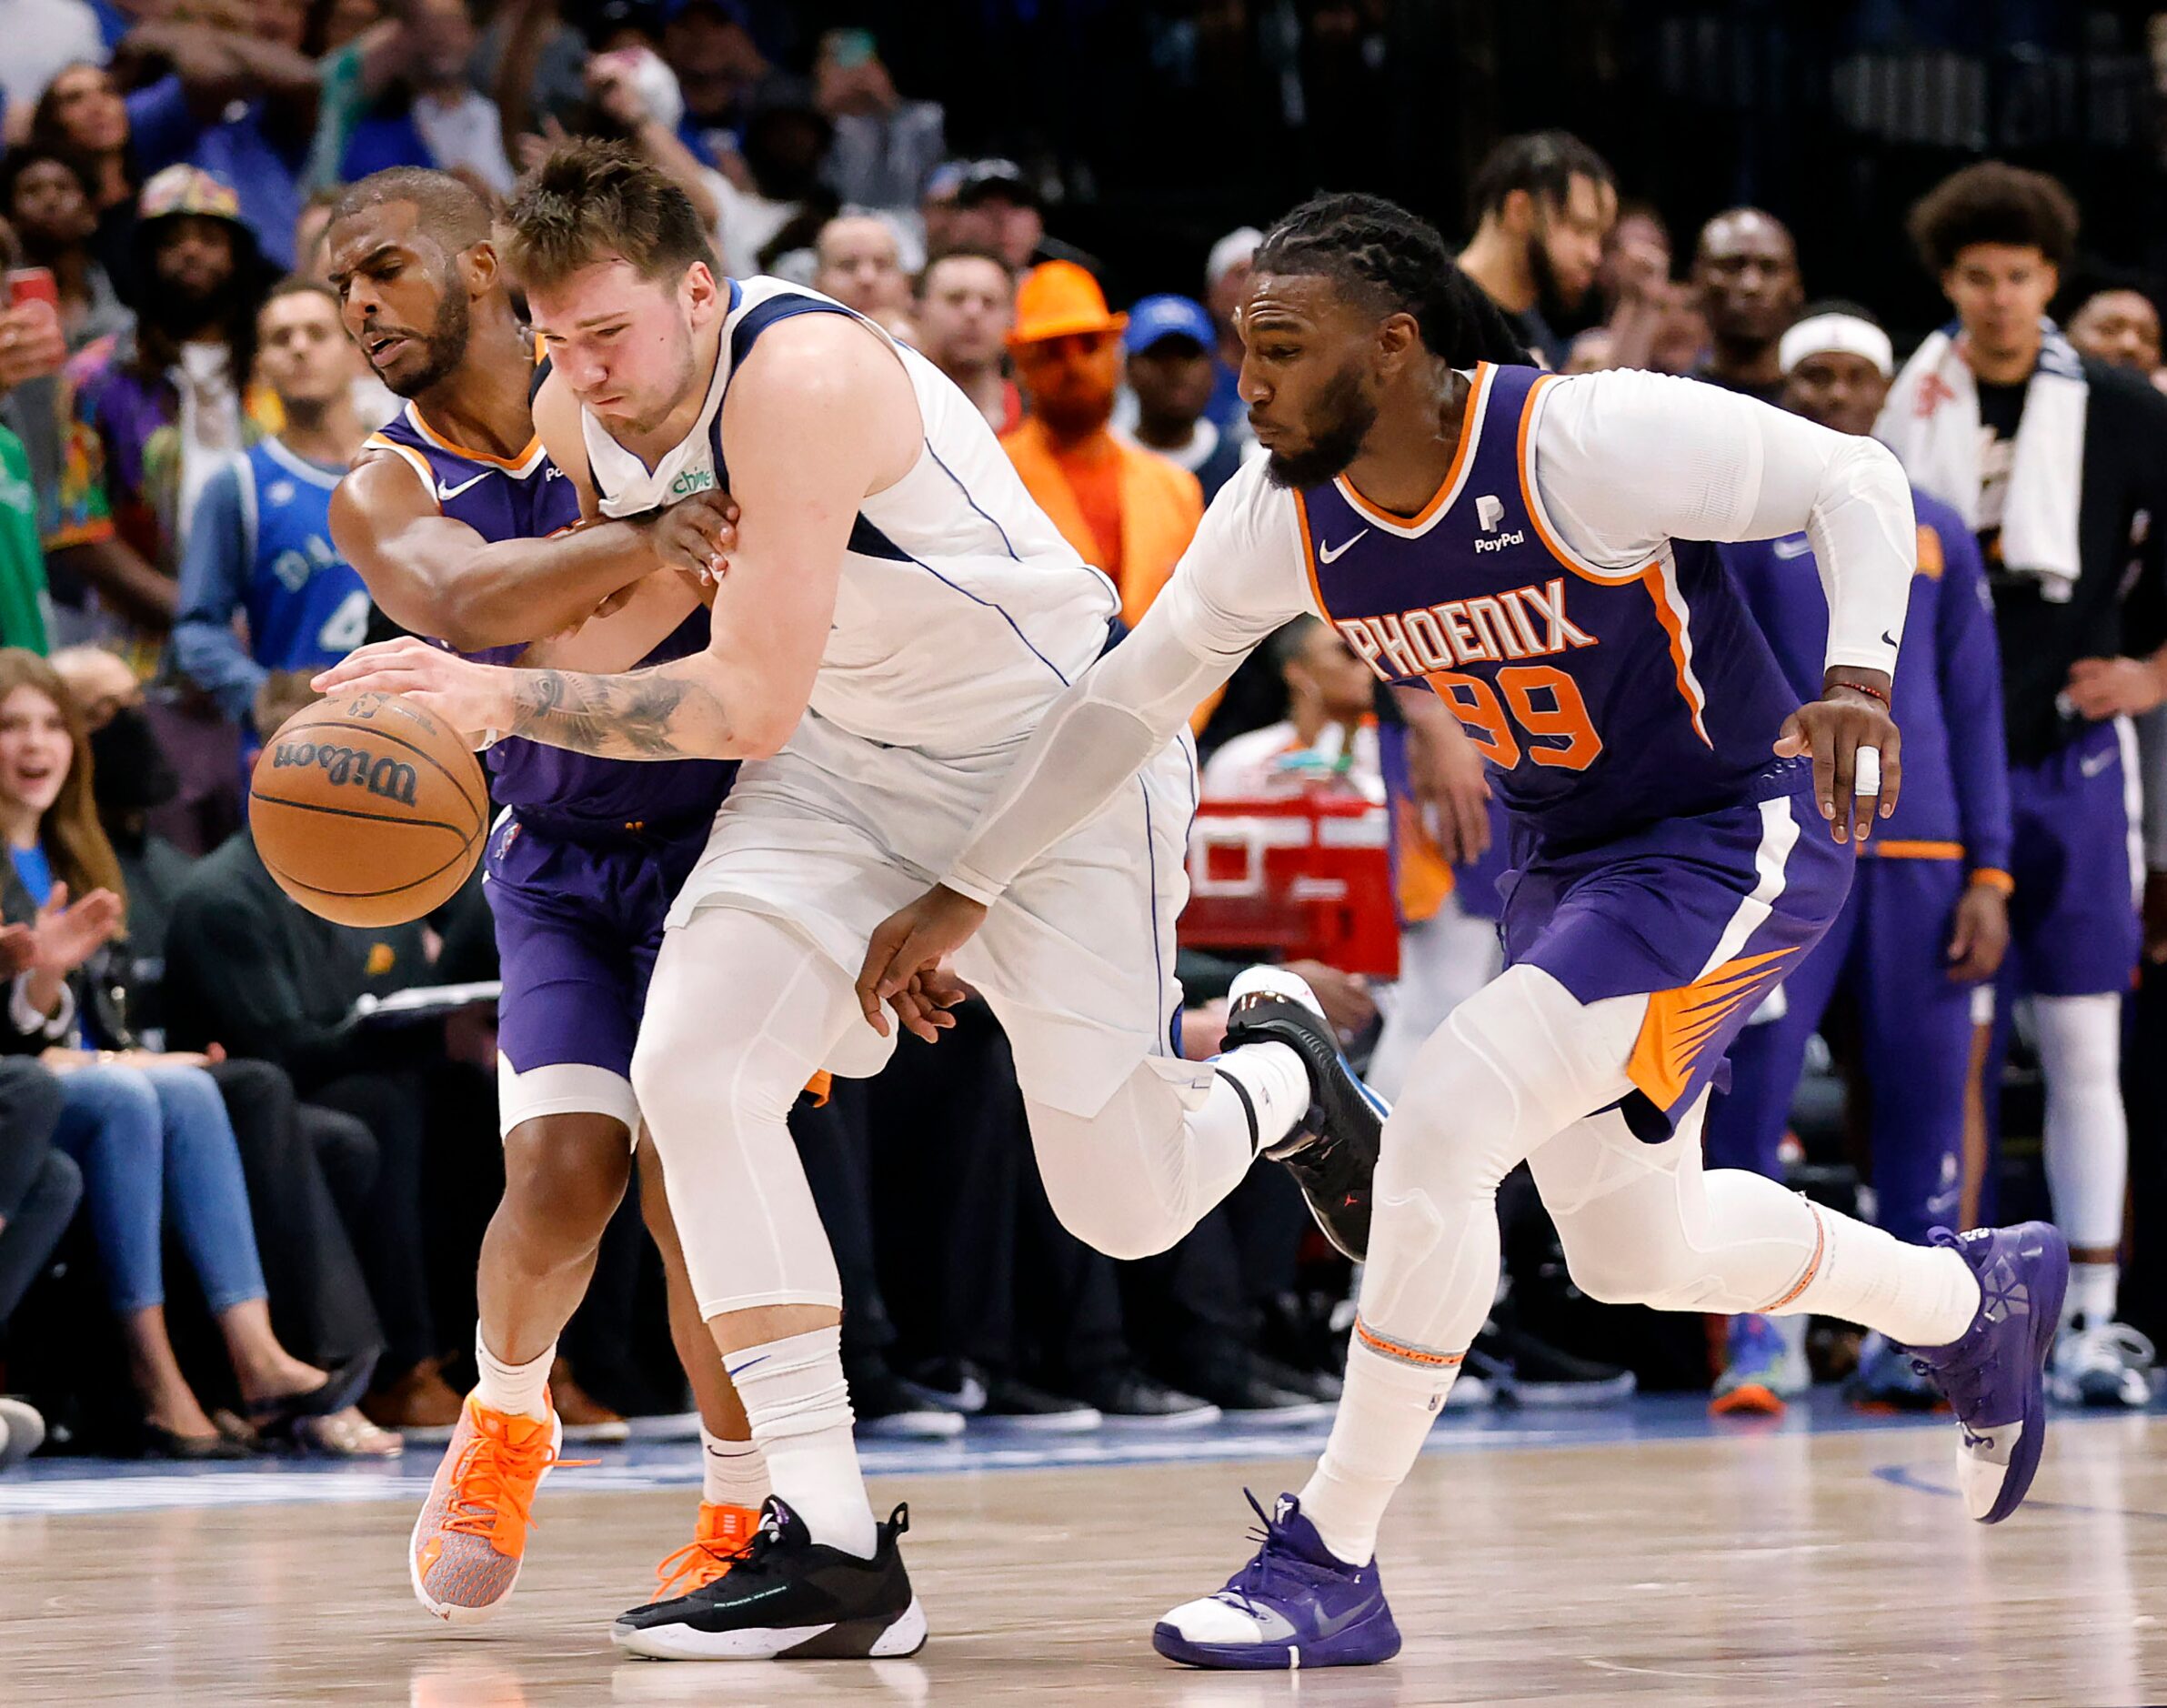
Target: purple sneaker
x,y
1994,1372
1295,1604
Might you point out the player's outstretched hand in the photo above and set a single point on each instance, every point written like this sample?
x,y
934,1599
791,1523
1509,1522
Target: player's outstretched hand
x,y
473,699
1855,748
696,537
907,956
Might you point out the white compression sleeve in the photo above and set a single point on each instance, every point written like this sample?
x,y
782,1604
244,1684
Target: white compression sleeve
x,y
1626,461
1095,738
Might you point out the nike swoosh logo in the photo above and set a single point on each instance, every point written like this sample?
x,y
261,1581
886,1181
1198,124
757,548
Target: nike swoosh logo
x,y
746,1365
445,494
1797,546
1887,638
2097,763
1333,554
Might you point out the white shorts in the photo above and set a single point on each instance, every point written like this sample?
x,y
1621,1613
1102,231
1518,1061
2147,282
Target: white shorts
x,y
834,833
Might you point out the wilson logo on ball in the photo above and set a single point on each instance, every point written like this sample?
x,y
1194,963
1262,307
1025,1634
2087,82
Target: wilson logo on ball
x,y
390,778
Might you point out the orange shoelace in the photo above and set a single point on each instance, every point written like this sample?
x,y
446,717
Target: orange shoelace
x,y
699,1562
495,1480
693,1567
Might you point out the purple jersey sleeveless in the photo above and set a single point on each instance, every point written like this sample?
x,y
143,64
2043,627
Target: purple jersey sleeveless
x,y
1628,718
581,870
528,499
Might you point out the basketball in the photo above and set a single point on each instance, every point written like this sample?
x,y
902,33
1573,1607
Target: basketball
x,y
367,809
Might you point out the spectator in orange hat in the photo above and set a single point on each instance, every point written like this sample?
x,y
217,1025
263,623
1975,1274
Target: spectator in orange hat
x,y
1127,510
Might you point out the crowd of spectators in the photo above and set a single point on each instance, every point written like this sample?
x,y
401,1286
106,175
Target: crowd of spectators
x,y
238,1208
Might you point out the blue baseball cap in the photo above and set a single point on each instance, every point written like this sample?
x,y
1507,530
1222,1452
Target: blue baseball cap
x,y
1158,318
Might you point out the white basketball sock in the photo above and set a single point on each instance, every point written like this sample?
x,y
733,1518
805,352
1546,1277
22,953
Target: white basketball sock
x,y
1384,1416
2087,1137
1275,1084
732,1473
799,1407
2090,1297
520,1388
1917,1295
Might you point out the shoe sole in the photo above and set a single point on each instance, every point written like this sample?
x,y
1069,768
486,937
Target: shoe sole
x,y
1378,1631
611,1435
889,1637
1566,1396
1202,1418
452,1612
1280,1416
914,1426
2031,1439
1044,1422
1748,1400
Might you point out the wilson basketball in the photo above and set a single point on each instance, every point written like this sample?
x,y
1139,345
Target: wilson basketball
x,y
367,809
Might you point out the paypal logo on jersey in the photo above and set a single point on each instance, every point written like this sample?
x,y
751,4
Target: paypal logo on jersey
x,y
1490,511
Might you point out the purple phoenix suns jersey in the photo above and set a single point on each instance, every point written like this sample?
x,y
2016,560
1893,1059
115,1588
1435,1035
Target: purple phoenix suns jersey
x,y
1604,699
529,498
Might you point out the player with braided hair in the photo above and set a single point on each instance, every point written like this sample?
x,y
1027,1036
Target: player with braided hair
x,y
1536,552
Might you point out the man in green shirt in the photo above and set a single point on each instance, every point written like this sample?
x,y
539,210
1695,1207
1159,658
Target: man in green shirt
x,y
24,605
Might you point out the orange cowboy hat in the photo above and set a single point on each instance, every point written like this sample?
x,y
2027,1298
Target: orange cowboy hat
x,y
1059,299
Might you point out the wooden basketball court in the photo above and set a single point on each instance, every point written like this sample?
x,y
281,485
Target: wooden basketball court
x,y
1639,1557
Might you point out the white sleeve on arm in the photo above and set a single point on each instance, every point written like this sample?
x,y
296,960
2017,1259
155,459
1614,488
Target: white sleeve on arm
x,y
1624,461
1242,578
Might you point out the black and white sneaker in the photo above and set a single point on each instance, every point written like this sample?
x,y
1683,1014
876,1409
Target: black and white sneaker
x,y
1332,1151
787,1598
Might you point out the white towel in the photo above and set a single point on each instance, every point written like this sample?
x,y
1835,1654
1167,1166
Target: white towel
x,y
1932,422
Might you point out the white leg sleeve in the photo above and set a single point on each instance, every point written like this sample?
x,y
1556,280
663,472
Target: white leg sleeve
x,y
741,1013
1646,1224
2087,1132
1515,1063
1132,1180
1443,961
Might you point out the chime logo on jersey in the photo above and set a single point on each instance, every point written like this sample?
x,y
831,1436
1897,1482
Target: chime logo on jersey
x,y
1526,622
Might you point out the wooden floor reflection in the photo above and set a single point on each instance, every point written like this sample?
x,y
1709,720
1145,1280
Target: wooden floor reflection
x,y
1785,1568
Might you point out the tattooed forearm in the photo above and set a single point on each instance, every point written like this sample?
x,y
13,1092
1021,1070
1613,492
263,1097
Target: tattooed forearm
x,y
663,713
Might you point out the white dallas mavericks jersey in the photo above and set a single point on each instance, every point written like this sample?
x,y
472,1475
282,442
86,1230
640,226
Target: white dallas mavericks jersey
x,y
961,611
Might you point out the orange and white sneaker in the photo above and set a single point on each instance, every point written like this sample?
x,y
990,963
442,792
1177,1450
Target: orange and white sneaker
x,y
723,1533
471,1535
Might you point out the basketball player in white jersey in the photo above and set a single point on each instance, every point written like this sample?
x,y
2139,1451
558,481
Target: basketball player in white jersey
x,y
894,618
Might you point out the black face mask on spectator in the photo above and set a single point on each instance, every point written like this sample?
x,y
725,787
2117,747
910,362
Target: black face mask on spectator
x,y
130,773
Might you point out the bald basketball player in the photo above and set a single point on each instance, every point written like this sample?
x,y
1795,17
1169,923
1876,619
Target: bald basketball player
x,y
445,516
1746,275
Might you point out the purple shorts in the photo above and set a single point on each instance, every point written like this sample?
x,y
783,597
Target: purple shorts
x,y
579,915
2072,920
1703,915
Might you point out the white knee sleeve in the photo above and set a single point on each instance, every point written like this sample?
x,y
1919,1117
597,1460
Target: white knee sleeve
x,y
1513,1064
1134,1178
2087,1128
741,1014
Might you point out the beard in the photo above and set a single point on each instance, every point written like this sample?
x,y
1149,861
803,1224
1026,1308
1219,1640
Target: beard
x,y
1552,300
182,313
444,343
1074,414
1349,417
